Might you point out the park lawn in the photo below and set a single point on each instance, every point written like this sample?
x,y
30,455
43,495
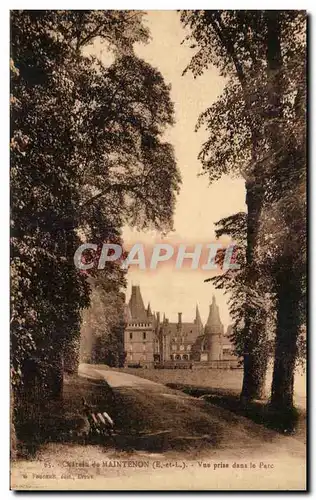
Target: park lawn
x,y
52,420
222,388
228,380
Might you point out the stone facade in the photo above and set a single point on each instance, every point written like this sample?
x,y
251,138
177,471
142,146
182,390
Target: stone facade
x,y
149,340
209,344
140,334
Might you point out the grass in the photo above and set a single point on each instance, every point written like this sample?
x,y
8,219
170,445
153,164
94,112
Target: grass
x,y
230,380
222,388
153,424
44,421
41,422
290,422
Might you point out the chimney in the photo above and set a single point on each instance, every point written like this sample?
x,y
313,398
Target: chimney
x,y
158,317
179,318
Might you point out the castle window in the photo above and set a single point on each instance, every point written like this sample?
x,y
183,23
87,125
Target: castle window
x,y
144,335
181,347
144,347
174,347
131,335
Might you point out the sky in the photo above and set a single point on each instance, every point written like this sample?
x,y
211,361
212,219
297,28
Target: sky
x,y
198,205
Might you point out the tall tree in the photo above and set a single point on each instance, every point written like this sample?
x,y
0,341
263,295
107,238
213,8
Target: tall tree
x,y
234,283
87,155
267,48
286,194
233,41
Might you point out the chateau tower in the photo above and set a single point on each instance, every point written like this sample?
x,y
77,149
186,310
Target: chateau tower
x,y
136,305
213,324
198,321
151,339
213,333
127,314
149,313
139,335
208,345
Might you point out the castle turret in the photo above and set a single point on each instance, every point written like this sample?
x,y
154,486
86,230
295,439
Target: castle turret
x,y
127,314
213,332
139,337
198,321
149,313
136,305
214,324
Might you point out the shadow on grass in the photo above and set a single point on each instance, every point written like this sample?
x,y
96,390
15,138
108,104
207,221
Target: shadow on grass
x,y
63,421
39,421
288,422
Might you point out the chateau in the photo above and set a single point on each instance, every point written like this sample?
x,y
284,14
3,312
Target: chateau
x,y
150,341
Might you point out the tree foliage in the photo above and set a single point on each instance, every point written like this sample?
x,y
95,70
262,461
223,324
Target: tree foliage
x,y
87,156
103,325
257,130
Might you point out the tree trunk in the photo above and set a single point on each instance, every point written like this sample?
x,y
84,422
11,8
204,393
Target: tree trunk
x,y
13,438
56,376
287,280
255,356
71,355
255,363
288,321
255,367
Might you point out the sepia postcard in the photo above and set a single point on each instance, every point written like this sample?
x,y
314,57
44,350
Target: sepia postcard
x,y
158,250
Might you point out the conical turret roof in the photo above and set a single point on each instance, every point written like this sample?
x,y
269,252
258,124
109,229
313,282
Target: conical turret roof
x,y
136,305
214,324
149,313
198,320
127,313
